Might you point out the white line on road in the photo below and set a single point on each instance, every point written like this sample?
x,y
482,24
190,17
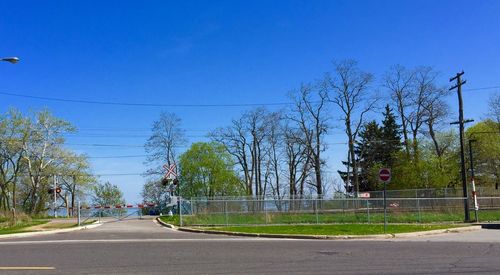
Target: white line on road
x,y
27,268
148,241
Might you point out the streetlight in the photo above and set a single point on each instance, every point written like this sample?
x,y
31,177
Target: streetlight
x,y
12,60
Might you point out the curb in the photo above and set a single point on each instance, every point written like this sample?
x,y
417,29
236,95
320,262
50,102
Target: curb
x,y
48,232
439,231
171,226
287,236
324,237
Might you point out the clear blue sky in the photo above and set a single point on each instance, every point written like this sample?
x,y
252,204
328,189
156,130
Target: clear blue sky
x,y
223,52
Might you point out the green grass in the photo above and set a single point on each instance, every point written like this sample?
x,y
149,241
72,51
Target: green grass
x,y
337,217
87,223
21,227
487,216
333,229
171,220
443,216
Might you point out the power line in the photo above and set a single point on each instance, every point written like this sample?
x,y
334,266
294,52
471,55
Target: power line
x,y
100,102
97,102
482,88
119,174
76,135
98,175
111,129
117,157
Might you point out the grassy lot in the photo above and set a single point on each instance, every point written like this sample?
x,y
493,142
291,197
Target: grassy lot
x,y
333,229
35,225
21,227
339,217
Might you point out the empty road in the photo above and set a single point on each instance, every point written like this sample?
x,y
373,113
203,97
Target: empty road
x,y
144,247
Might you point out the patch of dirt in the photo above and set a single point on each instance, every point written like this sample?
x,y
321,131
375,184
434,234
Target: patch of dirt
x,y
53,224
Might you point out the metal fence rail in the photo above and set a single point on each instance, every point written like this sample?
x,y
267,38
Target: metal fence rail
x,y
481,191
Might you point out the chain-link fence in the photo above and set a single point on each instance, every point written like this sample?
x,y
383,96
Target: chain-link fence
x,y
404,193
343,210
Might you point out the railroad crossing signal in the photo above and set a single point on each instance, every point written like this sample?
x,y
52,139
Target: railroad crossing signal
x,y
170,171
57,189
164,181
170,176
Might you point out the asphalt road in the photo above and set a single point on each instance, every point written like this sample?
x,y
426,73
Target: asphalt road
x,y
144,247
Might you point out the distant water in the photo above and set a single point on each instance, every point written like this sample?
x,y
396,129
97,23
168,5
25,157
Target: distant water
x,y
106,212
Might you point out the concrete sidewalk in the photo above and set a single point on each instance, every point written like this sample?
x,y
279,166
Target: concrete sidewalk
x,y
48,231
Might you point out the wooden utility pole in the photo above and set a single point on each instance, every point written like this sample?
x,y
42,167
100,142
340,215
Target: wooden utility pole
x,y
461,122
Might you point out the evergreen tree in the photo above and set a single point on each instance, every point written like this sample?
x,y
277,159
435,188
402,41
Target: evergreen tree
x,y
369,152
391,136
377,147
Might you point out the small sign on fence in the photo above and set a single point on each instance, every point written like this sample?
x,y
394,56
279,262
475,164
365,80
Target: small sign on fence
x,y
365,195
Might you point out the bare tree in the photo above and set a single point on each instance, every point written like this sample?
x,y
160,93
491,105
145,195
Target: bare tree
x,y
310,114
236,141
400,82
298,159
255,121
348,89
275,143
422,99
494,107
167,136
436,111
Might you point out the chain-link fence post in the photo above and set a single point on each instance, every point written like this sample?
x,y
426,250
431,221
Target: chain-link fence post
x,y
79,219
192,206
316,210
368,210
419,219
225,212
180,211
265,209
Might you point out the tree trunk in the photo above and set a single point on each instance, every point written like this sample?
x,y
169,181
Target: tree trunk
x,y
319,183
405,129
436,144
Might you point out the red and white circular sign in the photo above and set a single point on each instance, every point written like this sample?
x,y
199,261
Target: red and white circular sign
x,y
384,174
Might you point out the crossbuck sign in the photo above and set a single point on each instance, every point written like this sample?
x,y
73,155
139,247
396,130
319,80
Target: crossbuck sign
x,y
170,171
